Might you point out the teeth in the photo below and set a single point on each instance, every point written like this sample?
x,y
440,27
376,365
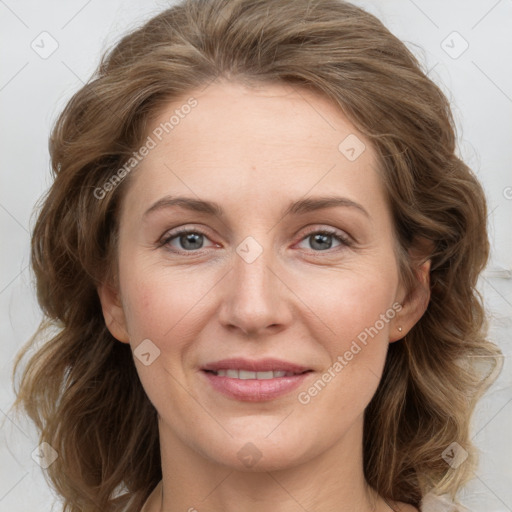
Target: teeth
x,y
246,374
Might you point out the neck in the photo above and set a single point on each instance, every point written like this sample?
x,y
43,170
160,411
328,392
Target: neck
x,y
333,480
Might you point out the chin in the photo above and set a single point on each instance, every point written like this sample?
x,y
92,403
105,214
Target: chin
x,y
250,454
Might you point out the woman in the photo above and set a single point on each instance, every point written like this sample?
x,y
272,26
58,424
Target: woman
x,y
315,349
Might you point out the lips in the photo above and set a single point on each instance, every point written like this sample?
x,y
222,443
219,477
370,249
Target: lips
x,y
254,381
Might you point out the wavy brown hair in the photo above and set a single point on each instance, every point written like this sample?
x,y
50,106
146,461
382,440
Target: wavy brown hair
x,y
81,388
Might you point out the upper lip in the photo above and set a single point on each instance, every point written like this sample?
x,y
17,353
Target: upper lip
x,y
261,365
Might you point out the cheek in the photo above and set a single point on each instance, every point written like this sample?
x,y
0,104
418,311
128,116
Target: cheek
x,y
161,303
350,302
164,306
358,310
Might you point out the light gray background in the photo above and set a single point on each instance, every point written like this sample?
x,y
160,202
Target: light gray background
x,y
33,90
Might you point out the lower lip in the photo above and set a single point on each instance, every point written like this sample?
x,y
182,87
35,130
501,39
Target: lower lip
x,y
254,390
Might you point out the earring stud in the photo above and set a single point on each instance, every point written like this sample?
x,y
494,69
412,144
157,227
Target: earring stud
x,y
399,329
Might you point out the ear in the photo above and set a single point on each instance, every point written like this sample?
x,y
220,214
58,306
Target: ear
x,y
415,302
113,312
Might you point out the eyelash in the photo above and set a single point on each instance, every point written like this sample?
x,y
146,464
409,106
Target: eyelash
x,y
343,239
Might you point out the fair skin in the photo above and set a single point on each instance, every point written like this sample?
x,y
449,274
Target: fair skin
x,y
254,151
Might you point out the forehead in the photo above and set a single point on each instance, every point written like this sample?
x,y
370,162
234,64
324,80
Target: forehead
x,y
242,144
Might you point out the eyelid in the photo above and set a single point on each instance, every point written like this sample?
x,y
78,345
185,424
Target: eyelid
x,y
343,235
173,233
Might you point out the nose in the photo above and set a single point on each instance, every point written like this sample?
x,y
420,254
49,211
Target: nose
x,y
255,297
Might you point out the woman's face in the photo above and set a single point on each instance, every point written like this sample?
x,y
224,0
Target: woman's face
x,y
256,286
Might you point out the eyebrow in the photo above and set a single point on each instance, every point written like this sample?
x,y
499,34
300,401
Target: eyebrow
x,y
299,207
